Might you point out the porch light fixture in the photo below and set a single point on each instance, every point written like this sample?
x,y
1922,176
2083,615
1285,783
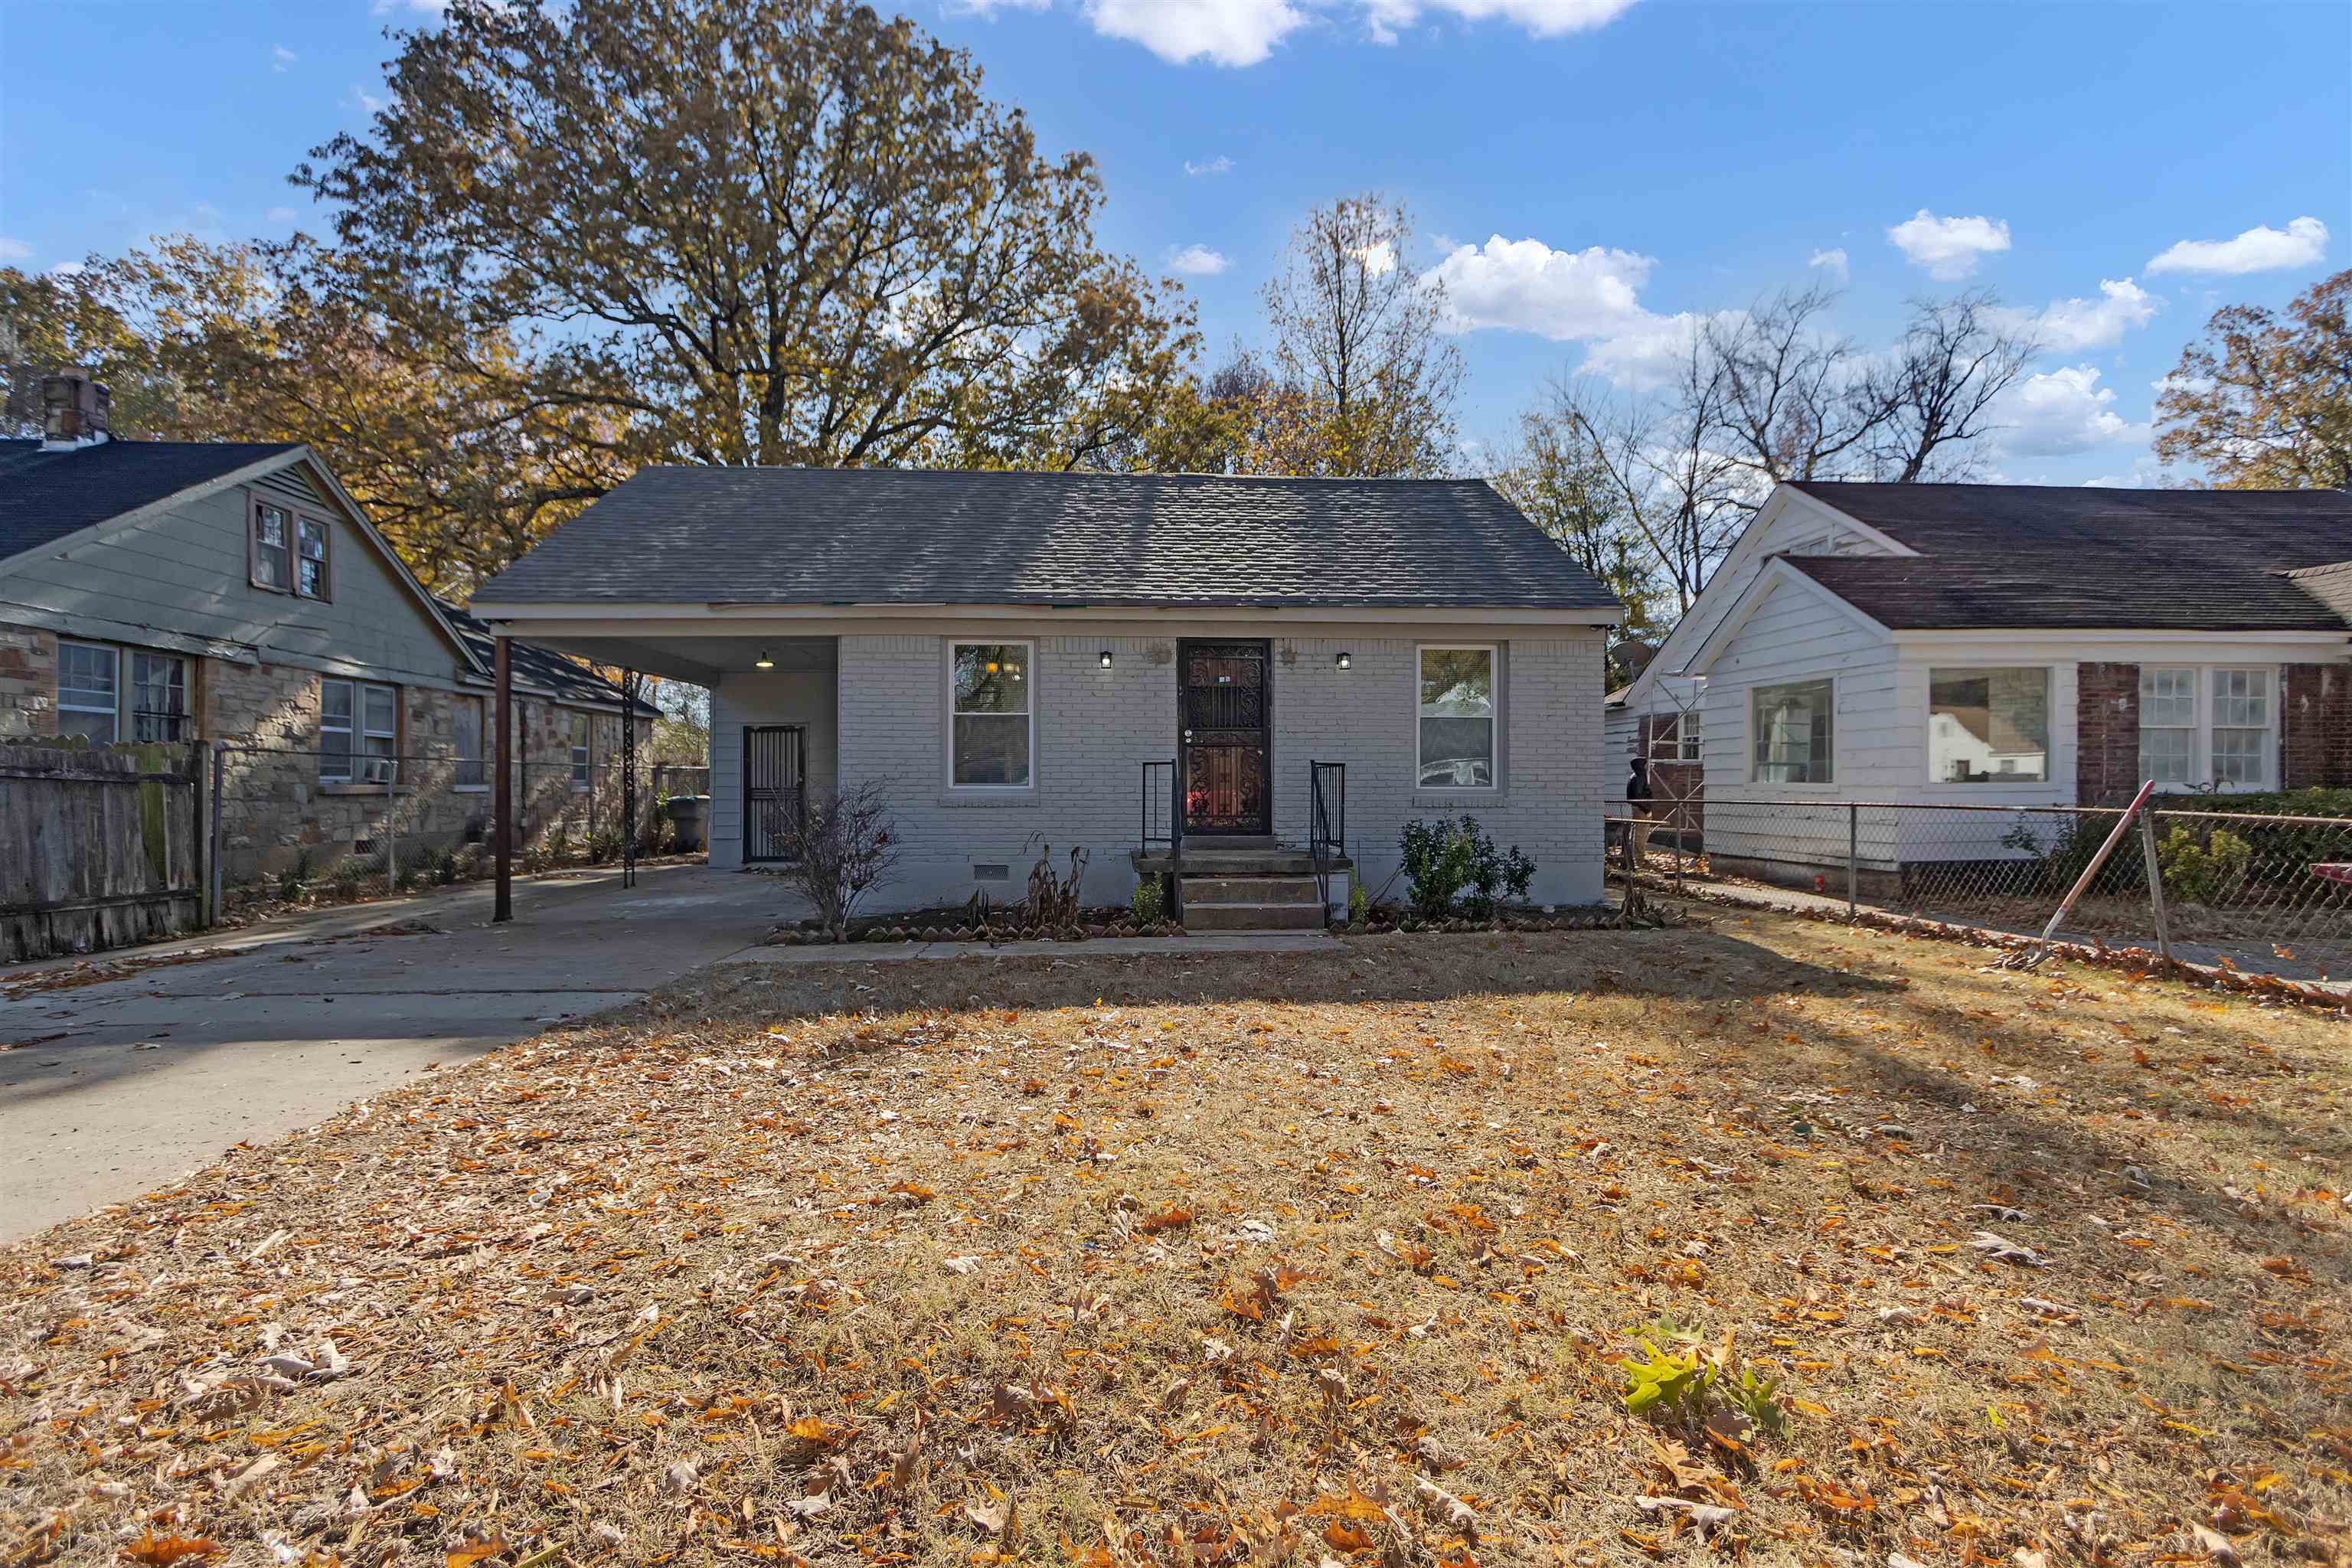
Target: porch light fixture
x,y
1342,661
763,661
1106,658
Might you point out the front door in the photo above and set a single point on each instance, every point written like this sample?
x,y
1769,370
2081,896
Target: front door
x,y
772,794
1225,709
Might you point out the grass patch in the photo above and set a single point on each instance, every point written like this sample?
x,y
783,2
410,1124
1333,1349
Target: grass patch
x,y
1232,1258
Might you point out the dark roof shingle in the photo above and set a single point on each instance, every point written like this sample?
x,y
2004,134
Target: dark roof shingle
x,y
2025,556
541,667
45,496
817,536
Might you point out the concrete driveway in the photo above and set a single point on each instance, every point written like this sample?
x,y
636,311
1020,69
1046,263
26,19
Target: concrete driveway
x,y
111,1089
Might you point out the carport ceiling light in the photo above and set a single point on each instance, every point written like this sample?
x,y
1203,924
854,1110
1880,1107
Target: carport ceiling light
x,y
763,661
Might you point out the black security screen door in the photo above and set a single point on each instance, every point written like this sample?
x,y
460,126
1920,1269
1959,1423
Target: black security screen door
x,y
772,798
1223,706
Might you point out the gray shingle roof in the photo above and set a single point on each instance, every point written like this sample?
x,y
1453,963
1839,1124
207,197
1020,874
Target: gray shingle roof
x,y
817,536
2024,557
47,495
541,667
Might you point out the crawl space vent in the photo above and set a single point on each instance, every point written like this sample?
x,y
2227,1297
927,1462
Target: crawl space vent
x,y
986,873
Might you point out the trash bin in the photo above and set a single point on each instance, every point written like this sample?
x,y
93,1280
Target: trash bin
x,y
689,813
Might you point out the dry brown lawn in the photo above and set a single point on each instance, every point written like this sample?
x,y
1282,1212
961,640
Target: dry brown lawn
x,y
1221,1259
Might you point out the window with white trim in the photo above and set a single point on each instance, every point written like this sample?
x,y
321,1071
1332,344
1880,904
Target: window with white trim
x,y
467,731
90,695
1674,738
2207,724
579,752
1454,717
1794,731
359,732
991,715
159,697
1989,726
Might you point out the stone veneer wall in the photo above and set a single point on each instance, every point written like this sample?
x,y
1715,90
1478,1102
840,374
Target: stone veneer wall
x,y
29,682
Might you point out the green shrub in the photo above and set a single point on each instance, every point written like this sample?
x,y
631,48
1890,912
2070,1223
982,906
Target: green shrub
x,y
1144,902
1360,902
1456,867
2064,845
2203,873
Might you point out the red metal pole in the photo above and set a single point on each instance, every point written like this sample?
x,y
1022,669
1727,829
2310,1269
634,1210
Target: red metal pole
x,y
503,834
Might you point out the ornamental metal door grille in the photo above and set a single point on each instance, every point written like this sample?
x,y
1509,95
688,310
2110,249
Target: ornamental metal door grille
x,y
1224,713
773,793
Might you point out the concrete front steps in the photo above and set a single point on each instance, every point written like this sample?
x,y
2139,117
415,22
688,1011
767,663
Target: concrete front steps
x,y
1232,886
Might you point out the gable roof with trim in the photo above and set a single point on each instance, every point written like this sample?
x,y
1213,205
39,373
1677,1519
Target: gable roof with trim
x,y
45,496
890,536
2063,558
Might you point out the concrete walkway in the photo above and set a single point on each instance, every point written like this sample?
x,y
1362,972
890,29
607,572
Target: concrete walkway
x,y
111,1088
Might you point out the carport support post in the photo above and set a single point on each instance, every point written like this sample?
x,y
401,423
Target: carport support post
x,y
502,834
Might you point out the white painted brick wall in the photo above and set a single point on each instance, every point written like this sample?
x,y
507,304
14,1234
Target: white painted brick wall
x,y
1096,727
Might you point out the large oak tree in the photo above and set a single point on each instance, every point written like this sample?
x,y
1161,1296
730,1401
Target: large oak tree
x,y
2264,404
746,231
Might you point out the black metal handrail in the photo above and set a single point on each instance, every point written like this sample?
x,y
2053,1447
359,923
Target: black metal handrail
x,y
1173,833
1326,837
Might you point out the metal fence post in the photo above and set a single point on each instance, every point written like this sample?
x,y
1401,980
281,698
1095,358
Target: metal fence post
x,y
1852,853
391,832
2155,883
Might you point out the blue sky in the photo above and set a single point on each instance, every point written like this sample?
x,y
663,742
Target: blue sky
x,y
1587,176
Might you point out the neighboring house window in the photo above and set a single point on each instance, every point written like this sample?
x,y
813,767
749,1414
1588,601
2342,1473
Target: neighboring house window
x,y
1674,739
992,715
467,731
359,732
1989,726
580,751
2204,725
1795,733
89,700
311,557
1686,734
273,547
1454,716
159,697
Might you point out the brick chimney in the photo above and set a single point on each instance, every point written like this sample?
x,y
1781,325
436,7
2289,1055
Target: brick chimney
x,y
74,405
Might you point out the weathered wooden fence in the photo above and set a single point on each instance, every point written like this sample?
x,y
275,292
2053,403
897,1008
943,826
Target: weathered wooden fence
x,y
99,846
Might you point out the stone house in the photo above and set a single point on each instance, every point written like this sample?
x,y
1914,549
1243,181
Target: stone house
x,y
1247,684
234,594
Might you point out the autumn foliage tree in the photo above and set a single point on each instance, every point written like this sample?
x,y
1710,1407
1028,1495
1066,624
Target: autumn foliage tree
x,y
2261,403
745,231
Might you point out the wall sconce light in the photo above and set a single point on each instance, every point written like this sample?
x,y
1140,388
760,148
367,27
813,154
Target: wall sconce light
x,y
1343,662
1106,658
763,661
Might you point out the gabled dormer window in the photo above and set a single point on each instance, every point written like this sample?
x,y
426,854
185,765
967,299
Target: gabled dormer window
x,y
288,552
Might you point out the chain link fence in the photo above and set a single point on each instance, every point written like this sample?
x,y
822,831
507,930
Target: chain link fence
x,y
2265,893
304,825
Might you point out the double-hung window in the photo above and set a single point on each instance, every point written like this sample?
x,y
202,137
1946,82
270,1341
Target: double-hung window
x,y
1794,730
359,732
2205,724
1454,717
580,761
1989,726
89,694
159,697
992,716
288,552
311,557
466,731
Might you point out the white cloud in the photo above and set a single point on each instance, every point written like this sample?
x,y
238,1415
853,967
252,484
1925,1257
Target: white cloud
x,y
1383,19
1380,258
2062,412
1651,352
281,214
1948,247
1526,286
1833,262
1221,165
1225,32
1198,261
2259,250
13,250
363,100
67,269
428,7
280,58
2070,326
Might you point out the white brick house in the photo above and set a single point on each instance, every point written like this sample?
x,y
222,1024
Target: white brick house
x,y
1022,657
